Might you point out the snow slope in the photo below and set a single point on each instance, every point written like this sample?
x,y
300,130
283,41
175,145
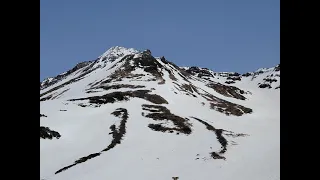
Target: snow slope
x,y
129,115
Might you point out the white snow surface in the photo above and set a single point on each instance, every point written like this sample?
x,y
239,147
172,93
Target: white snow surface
x,y
147,154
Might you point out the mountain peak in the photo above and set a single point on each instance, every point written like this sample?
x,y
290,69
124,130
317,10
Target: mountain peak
x,y
118,50
101,111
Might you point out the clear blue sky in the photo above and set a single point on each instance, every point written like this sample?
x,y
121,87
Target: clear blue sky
x,y
223,35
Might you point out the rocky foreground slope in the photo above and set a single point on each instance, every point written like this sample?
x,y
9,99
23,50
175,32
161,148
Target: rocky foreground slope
x,y
129,115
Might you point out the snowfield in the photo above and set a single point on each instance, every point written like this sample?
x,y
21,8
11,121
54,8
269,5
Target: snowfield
x,y
105,109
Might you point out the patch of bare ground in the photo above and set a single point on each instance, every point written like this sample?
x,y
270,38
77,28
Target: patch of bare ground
x,y
246,74
230,82
117,135
270,80
234,135
46,133
172,77
230,108
124,96
188,88
150,65
221,139
208,79
124,71
228,91
265,86
92,91
146,62
90,105
215,155
46,98
105,81
224,106
259,72
117,86
233,74
184,72
216,103
125,59
201,72
42,115
234,78
135,77
221,105
161,113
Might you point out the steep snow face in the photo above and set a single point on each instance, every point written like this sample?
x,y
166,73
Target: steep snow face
x,y
129,115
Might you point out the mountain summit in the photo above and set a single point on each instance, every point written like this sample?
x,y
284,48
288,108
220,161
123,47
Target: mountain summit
x,y
130,115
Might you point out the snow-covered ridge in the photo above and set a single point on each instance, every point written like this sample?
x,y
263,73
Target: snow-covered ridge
x,y
117,50
46,81
109,56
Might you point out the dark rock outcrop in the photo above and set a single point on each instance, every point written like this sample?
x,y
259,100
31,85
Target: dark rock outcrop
x,y
201,72
228,91
46,133
161,113
246,74
265,86
124,96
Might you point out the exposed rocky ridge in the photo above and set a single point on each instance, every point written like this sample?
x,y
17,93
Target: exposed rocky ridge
x,y
133,59
51,81
229,78
200,72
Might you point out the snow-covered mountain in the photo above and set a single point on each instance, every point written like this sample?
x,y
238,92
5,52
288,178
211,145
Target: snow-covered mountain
x,y
129,115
